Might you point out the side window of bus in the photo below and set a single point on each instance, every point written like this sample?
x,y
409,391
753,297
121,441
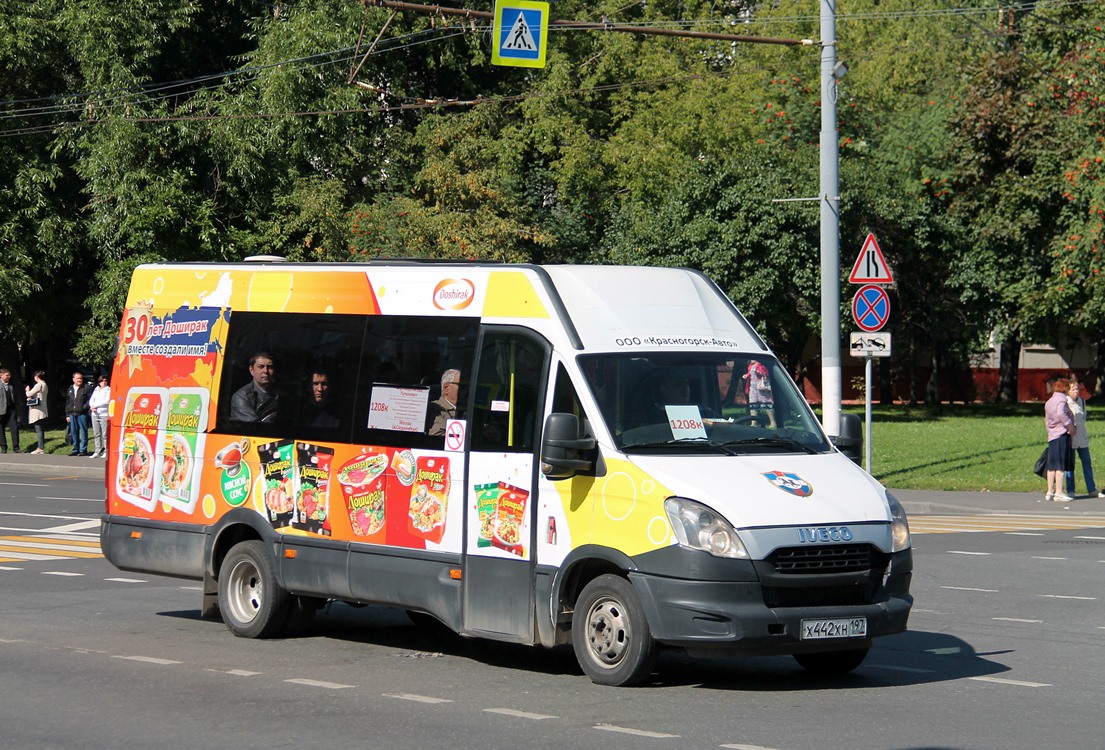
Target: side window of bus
x,y
566,401
415,375
290,375
508,398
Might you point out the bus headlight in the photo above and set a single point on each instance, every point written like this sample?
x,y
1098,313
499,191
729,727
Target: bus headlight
x,y
698,527
899,526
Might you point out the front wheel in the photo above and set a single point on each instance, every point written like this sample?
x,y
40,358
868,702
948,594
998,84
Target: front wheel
x,y
252,603
610,634
832,662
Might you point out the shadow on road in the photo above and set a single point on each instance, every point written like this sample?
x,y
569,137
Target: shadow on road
x,y
911,658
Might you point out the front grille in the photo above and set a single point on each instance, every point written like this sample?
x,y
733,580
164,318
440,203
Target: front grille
x,y
840,558
818,596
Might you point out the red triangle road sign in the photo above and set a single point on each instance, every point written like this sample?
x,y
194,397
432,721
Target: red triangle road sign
x,y
870,267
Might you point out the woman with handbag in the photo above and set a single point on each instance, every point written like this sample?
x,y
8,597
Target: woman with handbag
x,y
37,411
1059,421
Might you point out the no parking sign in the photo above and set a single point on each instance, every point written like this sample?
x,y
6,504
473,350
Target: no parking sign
x,y
871,308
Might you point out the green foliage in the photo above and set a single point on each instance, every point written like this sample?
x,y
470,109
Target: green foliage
x,y
148,130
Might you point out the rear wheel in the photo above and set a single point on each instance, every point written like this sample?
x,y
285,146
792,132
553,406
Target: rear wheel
x,y
832,662
252,603
610,634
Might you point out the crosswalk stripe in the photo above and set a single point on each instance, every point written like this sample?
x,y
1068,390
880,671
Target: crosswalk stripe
x,y
75,541
25,548
986,522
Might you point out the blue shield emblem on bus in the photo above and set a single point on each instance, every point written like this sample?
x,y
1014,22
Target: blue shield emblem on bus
x,y
789,482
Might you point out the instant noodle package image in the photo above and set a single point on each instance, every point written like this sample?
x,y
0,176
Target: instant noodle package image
x,y
429,498
181,448
276,483
363,487
510,516
312,491
139,467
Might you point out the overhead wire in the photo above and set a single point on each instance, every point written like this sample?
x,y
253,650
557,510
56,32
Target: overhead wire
x,y
111,100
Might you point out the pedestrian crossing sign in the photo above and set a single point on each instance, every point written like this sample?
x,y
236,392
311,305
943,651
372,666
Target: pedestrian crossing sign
x,y
519,34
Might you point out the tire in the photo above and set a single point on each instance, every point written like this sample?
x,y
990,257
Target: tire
x,y
252,603
831,663
610,633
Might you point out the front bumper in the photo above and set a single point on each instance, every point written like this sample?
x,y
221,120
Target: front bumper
x,y
713,617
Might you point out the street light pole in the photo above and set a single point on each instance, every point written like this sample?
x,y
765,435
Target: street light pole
x,y
830,227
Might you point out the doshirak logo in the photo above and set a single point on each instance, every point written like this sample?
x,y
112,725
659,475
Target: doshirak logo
x,y
454,294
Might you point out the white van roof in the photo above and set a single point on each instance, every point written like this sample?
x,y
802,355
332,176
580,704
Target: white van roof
x,y
665,308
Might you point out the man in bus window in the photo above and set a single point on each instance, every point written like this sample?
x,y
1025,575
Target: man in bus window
x,y
257,400
319,413
444,408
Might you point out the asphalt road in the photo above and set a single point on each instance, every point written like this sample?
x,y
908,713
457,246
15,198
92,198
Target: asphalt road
x,y
1005,649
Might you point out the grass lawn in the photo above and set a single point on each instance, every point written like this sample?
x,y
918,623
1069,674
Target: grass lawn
x,y
981,447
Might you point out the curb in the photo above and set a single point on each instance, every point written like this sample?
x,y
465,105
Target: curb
x,y
69,466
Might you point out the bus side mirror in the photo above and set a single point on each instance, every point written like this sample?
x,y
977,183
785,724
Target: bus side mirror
x,y
564,453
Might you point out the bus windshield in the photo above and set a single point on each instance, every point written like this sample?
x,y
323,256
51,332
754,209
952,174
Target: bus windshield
x,y
702,403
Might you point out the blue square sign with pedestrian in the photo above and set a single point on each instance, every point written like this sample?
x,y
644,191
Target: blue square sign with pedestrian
x,y
520,33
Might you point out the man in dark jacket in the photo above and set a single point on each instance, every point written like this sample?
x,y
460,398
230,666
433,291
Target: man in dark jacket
x,y
257,400
9,414
77,414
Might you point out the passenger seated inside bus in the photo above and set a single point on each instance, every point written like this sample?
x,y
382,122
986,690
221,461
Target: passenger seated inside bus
x,y
257,400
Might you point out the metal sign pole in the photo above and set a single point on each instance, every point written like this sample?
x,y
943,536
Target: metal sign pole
x,y
867,399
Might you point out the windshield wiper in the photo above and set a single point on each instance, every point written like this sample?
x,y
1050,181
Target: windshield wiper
x,y
773,440
683,443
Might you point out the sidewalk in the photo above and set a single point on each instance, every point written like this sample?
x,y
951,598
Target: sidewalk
x,y
57,464
915,502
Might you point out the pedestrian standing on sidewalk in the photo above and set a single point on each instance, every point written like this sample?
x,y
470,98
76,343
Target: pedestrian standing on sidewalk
x,y
98,404
1080,441
1059,421
37,411
76,414
9,412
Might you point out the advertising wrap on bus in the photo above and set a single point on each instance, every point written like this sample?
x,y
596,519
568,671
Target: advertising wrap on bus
x,y
604,456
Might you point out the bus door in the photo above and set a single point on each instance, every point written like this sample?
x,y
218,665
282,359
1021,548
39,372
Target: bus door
x,y
503,428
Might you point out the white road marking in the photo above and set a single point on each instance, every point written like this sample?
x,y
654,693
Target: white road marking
x,y
746,747
1034,557
39,515
1094,538
99,500
147,660
945,651
8,567
635,732
30,556
1023,533
518,714
416,698
24,484
964,588
319,684
234,672
64,573
1061,596
47,543
962,552
81,526
126,580
1015,619
1003,681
